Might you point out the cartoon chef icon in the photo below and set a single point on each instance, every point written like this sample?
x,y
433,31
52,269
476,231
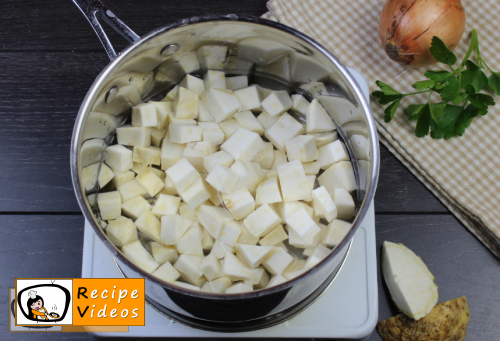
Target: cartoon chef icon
x,y
35,306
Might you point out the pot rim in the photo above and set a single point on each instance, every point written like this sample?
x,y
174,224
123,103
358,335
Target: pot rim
x,y
92,92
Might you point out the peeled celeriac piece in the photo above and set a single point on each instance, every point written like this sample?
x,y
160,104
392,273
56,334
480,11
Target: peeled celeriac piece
x,y
186,285
121,231
212,57
323,139
135,206
317,119
189,265
173,228
163,253
167,273
214,80
302,148
221,104
213,219
267,121
138,255
247,120
220,249
336,232
260,278
249,98
300,104
212,132
252,255
311,168
222,158
302,224
332,153
239,288
195,153
150,182
217,286
293,182
210,267
144,115
149,225
184,133
279,159
236,82
246,174
163,110
274,237
166,205
147,156
193,83
286,209
119,158
190,242
324,202
446,321
339,175
203,114
410,282
196,194
110,204
344,202
265,157
182,174
262,221
229,127
171,153
169,97
239,203
285,129
276,103
277,261
222,179
234,269
131,190
230,233
185,104
268,192
133,136
89,176
243,145
276,280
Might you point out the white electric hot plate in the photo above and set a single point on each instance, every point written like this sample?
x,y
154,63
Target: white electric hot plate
x,y
347,309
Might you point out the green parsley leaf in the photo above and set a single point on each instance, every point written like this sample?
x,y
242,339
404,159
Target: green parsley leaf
x,y
391,110
438,76
413,111
447,121
386,89
451,89
460,98
481,101
384,99
423,85
424,121
437,110
472,111
494,82
474,76
441,52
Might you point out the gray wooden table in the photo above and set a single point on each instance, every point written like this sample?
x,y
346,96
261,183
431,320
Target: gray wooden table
x,y
49,57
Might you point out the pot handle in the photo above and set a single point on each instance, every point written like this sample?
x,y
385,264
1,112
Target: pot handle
x,y
94,10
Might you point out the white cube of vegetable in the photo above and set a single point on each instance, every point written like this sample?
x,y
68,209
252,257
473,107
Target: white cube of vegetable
x,y
234,269
119,158
121,178
247,120
196,194
293,182
214,80
166,205
220,249
300,104
190,242
150,182
279,159
110,205
186,104
317,119
220,158
212,133
332,153
344,202
311,168
212,57
230,233
237,82
182,175
221,104
187,212
302,148
207,241
267,121
229,127
265,157
147,155
213,219
172,228
135,206
276,103
183,133
237,64
268,192
285,129
203,114
274,237
196,282
133,136
171,153
218,285
131,190
167,273
302,224
163,253
214,199
169,97
361,146
311,179
89,176
319,253
169,187
324,202
246,173
260,177
264,92
247,238
260,278
163,110
239,288
252,255
262,221
277,261
137,254
243,145
249,98
193,83
186,286
195,153
149,225
336,232
157,136
189,265
322,139
276,280
144,115
222,179
121,231
187,121
339,175
210,267
240,203
138,168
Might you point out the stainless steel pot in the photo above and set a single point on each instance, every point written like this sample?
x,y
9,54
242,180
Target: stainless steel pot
x,y
274,56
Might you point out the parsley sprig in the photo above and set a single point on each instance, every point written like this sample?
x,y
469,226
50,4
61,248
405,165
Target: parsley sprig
x,y
459,89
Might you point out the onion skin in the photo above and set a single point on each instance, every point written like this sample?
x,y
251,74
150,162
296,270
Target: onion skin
x,y
406,28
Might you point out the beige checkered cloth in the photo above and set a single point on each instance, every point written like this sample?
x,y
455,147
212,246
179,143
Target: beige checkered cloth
x,y
464,173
